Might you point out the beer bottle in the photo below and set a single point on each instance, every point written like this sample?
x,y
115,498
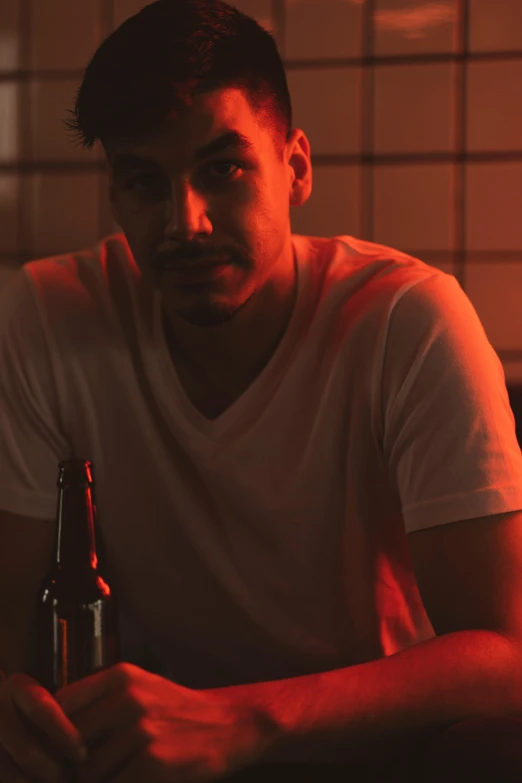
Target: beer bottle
x,y
76,619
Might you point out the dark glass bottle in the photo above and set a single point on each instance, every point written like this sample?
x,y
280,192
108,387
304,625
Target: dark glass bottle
x,y
76,618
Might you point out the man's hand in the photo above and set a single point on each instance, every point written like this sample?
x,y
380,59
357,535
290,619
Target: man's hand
x,y
139,726
37,741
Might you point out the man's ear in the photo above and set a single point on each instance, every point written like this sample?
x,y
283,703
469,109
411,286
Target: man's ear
x,y
300,168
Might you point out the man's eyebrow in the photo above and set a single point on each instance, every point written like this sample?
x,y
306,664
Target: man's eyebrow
x,y
124,162
230,139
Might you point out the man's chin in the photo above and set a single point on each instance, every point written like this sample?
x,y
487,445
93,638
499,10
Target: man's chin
x,y
205,313
208,309
207,317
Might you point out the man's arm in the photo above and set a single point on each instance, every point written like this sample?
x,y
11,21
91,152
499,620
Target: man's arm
x,y
470,578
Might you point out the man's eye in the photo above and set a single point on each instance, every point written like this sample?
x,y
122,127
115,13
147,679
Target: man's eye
x,y
141,182
221,167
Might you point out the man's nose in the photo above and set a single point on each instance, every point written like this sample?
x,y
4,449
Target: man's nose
x,y
186,214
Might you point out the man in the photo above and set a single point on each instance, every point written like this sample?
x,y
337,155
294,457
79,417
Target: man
x,y
308,480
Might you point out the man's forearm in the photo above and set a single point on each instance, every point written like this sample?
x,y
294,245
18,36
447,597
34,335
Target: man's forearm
x,y
353,713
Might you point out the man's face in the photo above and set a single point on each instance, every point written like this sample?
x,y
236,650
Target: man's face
x,y
186,198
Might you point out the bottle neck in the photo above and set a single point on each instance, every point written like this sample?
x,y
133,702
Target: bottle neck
x,y
76,548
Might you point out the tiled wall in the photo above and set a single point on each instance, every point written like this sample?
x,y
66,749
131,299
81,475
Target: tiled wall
x,y
413,109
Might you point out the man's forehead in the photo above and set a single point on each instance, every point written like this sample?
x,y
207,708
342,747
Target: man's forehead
x,y
224,105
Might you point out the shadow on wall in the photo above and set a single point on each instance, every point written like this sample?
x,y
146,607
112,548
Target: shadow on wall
x,y
515,398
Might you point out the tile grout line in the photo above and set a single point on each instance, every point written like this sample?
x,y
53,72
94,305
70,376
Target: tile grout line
x,y
367,124
509,355
25,193
106,11
460,126
278,14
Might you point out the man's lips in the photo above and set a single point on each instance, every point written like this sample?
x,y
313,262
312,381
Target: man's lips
x,y
197,273
184,266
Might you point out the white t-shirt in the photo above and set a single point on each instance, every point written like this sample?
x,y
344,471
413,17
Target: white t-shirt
x,y
270,542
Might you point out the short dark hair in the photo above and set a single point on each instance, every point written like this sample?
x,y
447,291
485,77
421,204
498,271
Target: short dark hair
x,y
170,51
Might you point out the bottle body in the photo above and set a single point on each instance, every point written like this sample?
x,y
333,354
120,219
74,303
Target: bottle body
x,y
76,617
76,631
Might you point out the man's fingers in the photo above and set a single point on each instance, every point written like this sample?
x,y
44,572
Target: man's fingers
x,y
106,717
42,711
24,758
113,756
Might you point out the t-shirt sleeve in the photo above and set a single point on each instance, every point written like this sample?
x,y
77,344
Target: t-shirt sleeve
x,y
448,429
32,442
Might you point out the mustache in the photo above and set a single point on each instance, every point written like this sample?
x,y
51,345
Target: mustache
x,y
184,257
